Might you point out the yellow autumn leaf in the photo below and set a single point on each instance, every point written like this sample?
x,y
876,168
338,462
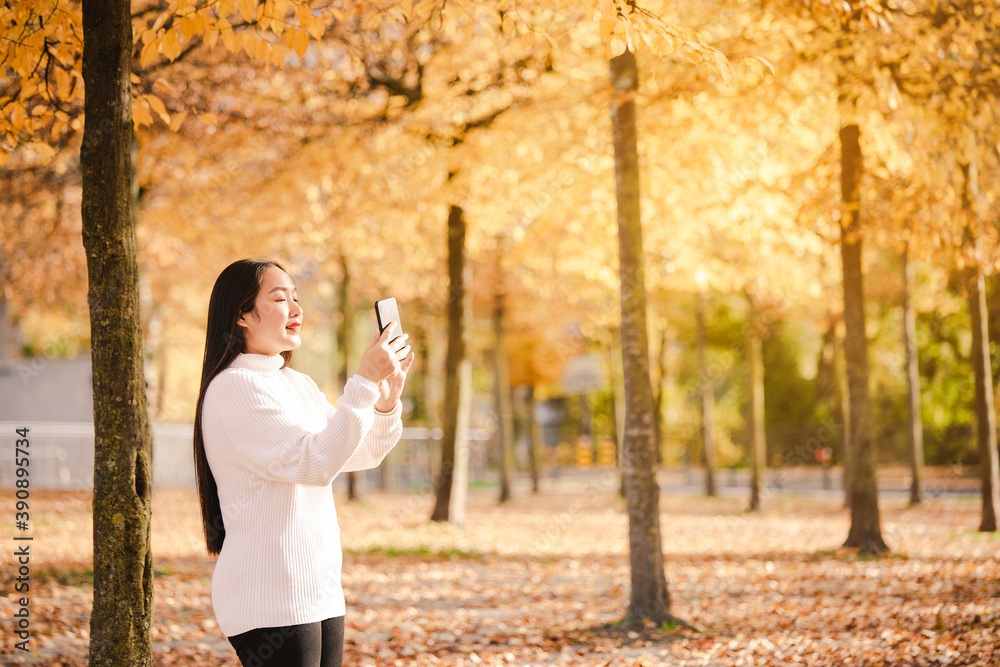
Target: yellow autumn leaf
x,y
140,113
228,36
316,27
248,8
188,26
225,8
617,46
261,51
301,42
249,41
278,26
607,27
156,104
208,118
171,45
507,26
149,52
211,37
278,54
177,121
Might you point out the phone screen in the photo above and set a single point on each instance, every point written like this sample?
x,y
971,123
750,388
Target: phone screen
x,y
386,311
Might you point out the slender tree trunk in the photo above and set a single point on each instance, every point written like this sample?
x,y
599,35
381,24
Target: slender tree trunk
x,y
533,440
618,404
421,400
986,433
452,482
755,379
504,409
6,335
123,565
707,390
915,429
649,596
866,530
843,412
345,334
661,362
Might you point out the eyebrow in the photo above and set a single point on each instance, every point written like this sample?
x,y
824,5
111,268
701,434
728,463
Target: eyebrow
x,y
281,287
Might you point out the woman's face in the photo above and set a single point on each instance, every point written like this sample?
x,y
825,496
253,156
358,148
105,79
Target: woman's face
x,y
272,327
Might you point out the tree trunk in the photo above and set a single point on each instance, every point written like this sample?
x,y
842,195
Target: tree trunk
x,y
866,530
345,334
707,389
649,596
843,412
658,398
452,479
915,429
419,392
6,335
986,433
755,379
533,440
123,565
618,404
504,410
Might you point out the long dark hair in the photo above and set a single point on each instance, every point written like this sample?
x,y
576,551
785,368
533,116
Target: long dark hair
x,y
234,294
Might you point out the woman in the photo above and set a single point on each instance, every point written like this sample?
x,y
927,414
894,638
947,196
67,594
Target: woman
x,y
267,446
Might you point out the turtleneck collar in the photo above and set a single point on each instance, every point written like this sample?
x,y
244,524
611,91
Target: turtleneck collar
x,y
258,362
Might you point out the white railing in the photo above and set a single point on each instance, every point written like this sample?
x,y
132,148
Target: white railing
x,y
62,457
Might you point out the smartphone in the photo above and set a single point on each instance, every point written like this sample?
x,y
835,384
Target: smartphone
x,y
385,312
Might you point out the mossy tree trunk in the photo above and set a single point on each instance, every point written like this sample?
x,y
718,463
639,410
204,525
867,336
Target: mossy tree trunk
x,y
122,612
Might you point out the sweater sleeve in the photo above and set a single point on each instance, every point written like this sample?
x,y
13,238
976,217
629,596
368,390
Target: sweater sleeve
x,y
268,442
383,436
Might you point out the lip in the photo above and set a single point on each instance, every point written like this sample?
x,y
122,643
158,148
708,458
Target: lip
x,y
293,328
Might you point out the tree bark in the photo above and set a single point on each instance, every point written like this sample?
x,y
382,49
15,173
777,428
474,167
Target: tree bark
x,y
533,439
451,480
986,433
502,397
658,396
618,405
755,380
707,391
915,430
649,598
123,565
345,333
866,530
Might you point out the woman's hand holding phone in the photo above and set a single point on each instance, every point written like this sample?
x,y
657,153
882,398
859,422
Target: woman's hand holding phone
x,y
385,363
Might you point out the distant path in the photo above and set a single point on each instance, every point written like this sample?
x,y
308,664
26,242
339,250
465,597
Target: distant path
x,y
809,481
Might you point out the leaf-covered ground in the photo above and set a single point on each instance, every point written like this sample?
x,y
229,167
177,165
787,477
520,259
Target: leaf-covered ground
x,y
543,580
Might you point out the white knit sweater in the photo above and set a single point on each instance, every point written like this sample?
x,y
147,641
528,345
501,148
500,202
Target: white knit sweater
x,y
275,444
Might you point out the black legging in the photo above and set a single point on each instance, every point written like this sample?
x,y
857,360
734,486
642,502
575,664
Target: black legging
x,y
307,645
